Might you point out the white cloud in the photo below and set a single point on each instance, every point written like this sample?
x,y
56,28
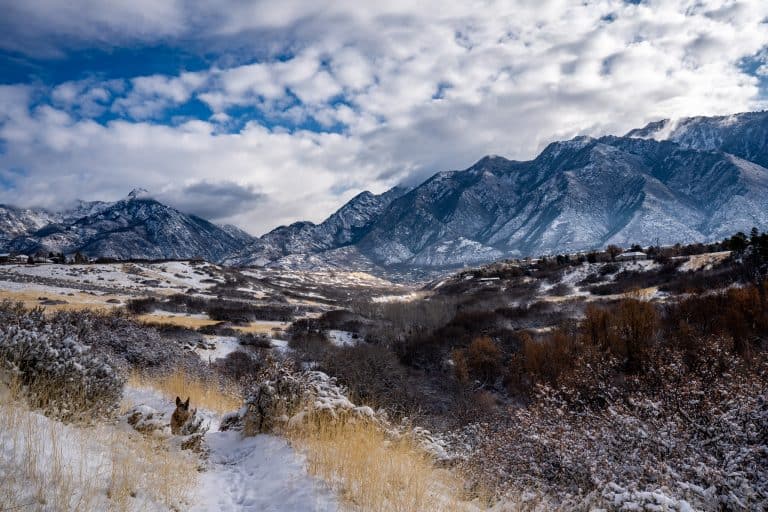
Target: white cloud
x,y
427,86
88,97
151,95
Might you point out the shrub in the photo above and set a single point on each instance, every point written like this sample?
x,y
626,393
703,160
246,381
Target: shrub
x,y
561,290
128,343
546,359
255,340
635,325
736,313
142,306
59,371
484,359
460,367
239,366
691,435
373,375
596,327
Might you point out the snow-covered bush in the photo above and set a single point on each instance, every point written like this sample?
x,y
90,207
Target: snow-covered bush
x,y
671,438
287,398
56,367
128,343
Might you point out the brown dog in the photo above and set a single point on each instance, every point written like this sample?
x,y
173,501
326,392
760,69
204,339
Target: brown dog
x,y
180,416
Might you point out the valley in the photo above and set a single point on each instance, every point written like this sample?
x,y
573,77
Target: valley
x,y
446,366
434,256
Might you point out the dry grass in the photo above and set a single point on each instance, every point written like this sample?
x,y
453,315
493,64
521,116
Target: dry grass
x,y
263,327
49,465
206,393
181,321
196,323
30,297
371,471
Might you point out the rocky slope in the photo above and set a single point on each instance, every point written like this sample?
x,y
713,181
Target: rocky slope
x,y
744,135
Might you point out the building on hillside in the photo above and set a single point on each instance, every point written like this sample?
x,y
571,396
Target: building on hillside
x,y
631,256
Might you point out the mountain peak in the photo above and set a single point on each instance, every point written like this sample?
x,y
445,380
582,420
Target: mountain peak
x,y
138,193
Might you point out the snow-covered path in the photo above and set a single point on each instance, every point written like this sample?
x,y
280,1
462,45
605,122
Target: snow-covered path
x,y
261,473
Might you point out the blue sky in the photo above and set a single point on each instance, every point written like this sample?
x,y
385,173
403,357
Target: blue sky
x,y
261,113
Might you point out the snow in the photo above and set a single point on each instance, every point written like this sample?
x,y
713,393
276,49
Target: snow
x,y
342,338
45,447
280,345
571,276
223,346
639,265
260,473
409,297
177,275
703,261
161,312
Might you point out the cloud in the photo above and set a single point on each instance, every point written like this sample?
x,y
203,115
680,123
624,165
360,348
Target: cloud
x,y
88,97
49,27
313,103
214,200
150,96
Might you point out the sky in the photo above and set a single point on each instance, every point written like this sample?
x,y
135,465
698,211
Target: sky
x,y
261,113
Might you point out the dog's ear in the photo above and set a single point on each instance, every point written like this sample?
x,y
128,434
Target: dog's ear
x,y
186,404
178,401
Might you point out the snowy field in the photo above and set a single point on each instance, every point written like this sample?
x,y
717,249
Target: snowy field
x,y
110,285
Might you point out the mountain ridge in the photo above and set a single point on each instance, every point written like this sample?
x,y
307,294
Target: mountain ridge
x,y
135,227
695,179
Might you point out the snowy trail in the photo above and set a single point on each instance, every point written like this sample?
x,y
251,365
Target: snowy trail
x,y
260,473
244,474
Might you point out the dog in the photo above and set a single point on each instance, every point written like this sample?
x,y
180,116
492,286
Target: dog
x,y
180,416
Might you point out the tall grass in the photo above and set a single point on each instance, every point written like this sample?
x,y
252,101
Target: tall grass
x,y
205,392
48,465
372,471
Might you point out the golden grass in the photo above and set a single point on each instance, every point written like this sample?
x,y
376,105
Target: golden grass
x,y
78,301
196,323
371,471
205,393
181,321
47,465
641,293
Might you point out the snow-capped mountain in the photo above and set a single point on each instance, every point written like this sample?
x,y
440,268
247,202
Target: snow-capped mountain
x,y
576,195
343,228
744,135
694,180
135,227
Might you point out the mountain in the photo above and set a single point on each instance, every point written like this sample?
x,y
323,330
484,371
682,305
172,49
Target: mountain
x,y
343,228
576,195
744,135
692,180
135,227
